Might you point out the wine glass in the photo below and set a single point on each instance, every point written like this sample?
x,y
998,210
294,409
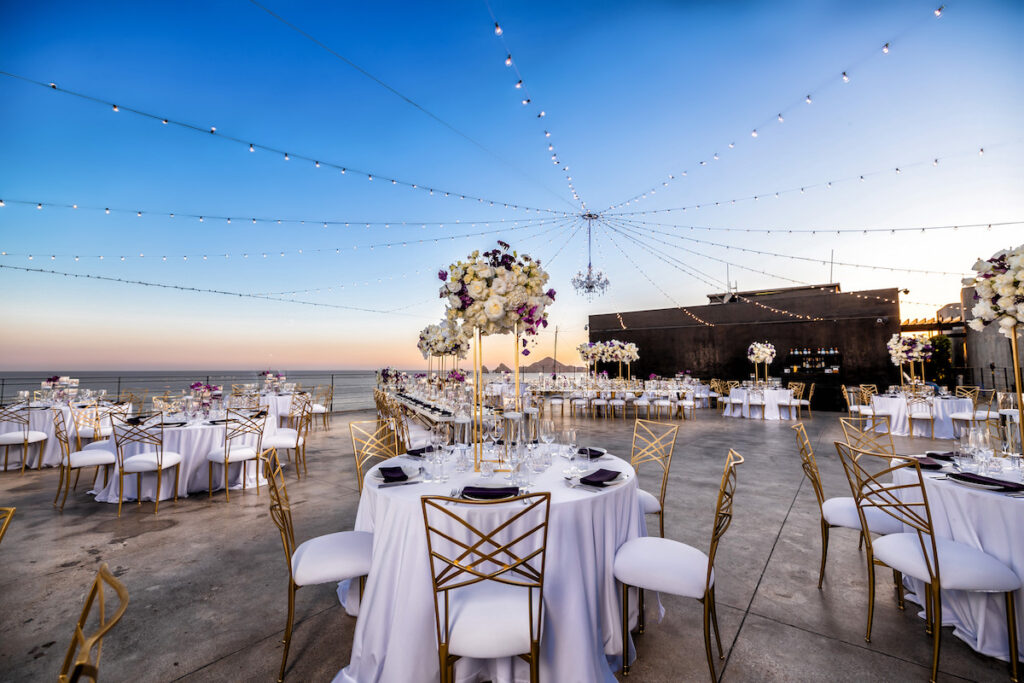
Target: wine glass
x,y
569,442
547,433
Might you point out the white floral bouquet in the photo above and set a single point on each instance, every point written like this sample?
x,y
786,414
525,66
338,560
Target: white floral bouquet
x,y
444,339
761,352
897,350
497,292
999,291
908,349
590,352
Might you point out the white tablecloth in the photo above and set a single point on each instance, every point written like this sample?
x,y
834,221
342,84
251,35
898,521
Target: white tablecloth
x,y
193,443
40,419
771,400
278,406
896,407
988,521
394,638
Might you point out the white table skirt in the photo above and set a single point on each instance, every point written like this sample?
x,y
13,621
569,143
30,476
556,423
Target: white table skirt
x,y
278,406
896,408
581,630
193,443
40,419
771,400
990,522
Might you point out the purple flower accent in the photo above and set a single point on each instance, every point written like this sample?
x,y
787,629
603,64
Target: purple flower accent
x,y
550,294
54,379
442,275
526,352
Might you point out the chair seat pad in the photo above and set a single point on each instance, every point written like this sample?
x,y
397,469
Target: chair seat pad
x,y
843,512
18,438
662,402
660,564
599,402
147,462
804,402
986,415
961,566
92,458
915,415
737,401
855,409
236,453
641,402
318,409
106,445
648,502
757,401
332,557
557,400
871,412
617,402
531,411
688,404
90,432
579,401
281,439
962,416
490,620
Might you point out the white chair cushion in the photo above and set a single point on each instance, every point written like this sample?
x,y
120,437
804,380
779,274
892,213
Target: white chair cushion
x,y
855,409
641,402
531,411
488,620
147,462
90,432
599,402
107,445
662,402
617,402
737,401
318,409
580,401
280,440
920,415
92,458
332,557
557,400
986,415
961,566
804,402
962,416
659,564
18,438
687,404
843,512
236,453
648,502
756,401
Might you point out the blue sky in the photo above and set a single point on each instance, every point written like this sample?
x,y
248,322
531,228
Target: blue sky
x,y
632,92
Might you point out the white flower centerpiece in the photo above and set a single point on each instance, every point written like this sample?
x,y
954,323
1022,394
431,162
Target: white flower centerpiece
x,y
999,295
496,292
909,350
758,353
444,341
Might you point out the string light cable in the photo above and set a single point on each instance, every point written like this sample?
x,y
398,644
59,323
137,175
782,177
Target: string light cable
x,y
932,161
287,156
527,101
197,290
405,98
839,77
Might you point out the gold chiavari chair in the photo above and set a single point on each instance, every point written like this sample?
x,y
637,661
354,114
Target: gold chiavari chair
x,y
852,408
293,440
299,403
667,566
79,661
93,423
920,408
324,559
243,442
323,399
862,433
244,401
96,454
967,391
6,515
792,403
17,415
866,392
372,440
237,389
806,402
135,398
756,399
488,583
147,433
654,442
918,552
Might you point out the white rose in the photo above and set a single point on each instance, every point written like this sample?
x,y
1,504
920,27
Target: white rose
x,y
977,324
980,265
499,286
454,287
454,301
476,289
494,307
483,270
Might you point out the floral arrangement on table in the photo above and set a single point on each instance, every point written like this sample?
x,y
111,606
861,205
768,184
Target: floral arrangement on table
x,y
444,339
611,351
652,376
50,382
389,375
203,388
269,375
908,349
456,376
999,291
761,352
497,292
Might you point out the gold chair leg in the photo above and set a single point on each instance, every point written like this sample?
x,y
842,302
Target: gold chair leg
x,y
928,608
209,478
937,629
227,489
534,662
60,486
625,630
641,620
159,479
96,475
897,578
1011,629
714,624
871,597
78,473
177,475
120,490
824,551
288,628
67,483
707,636
138,488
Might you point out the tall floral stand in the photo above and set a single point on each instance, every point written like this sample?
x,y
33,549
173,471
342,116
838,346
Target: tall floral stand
x,y
1017,381
478,403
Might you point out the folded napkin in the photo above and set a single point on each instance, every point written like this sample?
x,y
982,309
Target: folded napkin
x,y
391,474
419,451
215,422
172,424
927,463
599,478
590,452
1005,486
490,492
948,455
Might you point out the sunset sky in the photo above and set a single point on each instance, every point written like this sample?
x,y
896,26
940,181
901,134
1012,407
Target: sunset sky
x,y
631,93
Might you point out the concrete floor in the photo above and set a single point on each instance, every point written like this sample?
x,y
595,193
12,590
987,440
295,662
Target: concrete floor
x,y
208,578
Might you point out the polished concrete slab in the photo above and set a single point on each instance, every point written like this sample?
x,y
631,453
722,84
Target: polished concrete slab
x,y
207,577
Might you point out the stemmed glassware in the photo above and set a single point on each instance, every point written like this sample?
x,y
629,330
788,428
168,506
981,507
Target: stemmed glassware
x,y
547,436
569,441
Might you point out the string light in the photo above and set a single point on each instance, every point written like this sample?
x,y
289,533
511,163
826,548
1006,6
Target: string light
x,y
885,49
246,143
497,29
846,79
938,12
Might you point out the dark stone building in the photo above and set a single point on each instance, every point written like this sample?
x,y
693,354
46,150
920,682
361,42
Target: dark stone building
x,y
821,335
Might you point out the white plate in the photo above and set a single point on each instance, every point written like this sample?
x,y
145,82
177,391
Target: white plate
x,y
412,472
621,479
485,486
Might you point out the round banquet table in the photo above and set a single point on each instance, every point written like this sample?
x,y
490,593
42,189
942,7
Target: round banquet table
x,y
581,631
771,403
991,522
40,419
945,406
193,442
278,406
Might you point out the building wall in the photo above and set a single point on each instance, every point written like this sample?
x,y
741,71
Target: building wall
x,y
671,342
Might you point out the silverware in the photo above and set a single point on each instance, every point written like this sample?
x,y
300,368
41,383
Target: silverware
x,y
576,485
397,483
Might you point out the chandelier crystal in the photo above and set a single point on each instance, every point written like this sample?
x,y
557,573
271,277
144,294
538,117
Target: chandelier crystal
x,y
592,282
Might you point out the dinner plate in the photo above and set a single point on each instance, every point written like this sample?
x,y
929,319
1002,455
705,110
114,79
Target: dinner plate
x,y
470,496
978,485
621,479
412,473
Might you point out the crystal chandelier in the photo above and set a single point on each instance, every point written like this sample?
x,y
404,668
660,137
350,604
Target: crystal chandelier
x,y
592,282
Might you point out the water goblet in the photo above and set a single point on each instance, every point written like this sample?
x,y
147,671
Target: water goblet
x,y
547,433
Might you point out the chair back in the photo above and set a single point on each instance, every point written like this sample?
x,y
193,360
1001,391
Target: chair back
x,y
872,479
723,509
243,424
809,462
862,432
919,405
798,390
810,392
967,391
985,399
654,442
80,660
372,440
16,414
280,509
6,515
145,429
866,392
510,550
60,432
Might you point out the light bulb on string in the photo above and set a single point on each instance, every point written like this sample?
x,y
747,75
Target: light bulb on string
x,y
808,99
938,12
885,49
497,29
519,84
753,133
115,108
981,152
846,79
39,207
251,148
780,118
508,60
